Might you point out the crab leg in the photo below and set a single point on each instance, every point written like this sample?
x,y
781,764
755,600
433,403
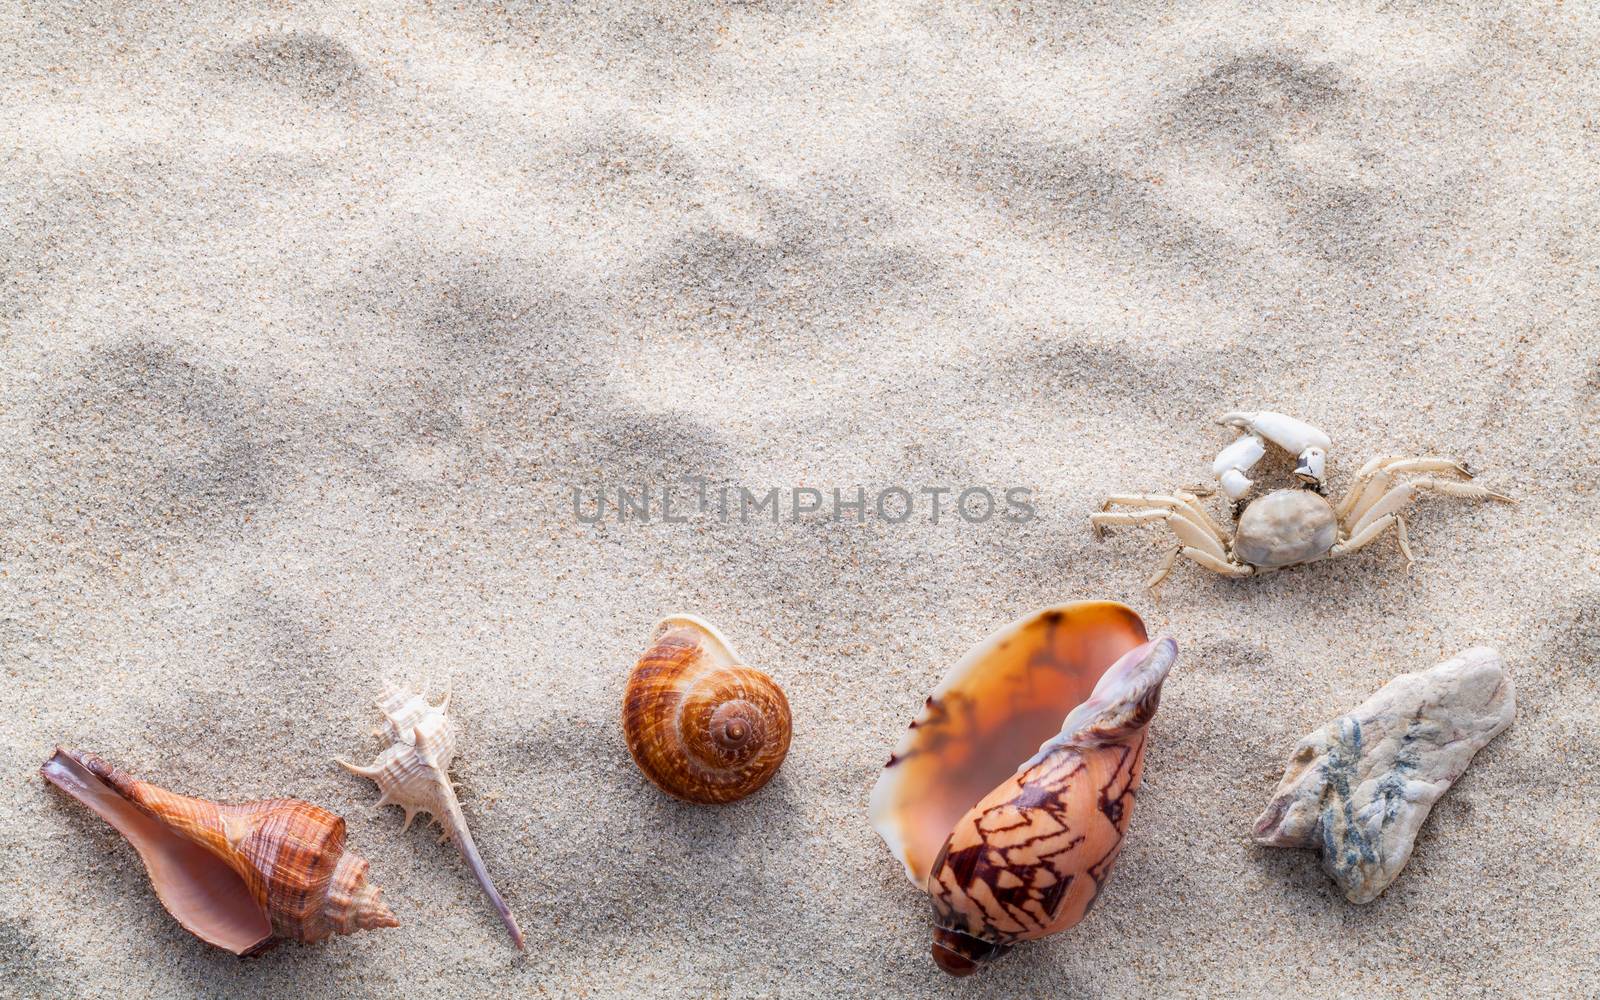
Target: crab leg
x,y
1224,566
1397,498
1370,533
1188,532
1400,536
1374,478
1187,503
1201,543
1358,485
1205,559
1163,569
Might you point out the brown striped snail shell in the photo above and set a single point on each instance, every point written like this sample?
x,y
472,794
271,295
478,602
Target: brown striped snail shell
x,y
1011,844
241,876
701,725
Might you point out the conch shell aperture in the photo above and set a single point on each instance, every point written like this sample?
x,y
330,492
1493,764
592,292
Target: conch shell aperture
x,y
702,726
241,876
413,772
1007,816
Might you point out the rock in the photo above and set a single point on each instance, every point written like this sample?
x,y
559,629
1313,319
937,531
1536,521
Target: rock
x,y
1358,788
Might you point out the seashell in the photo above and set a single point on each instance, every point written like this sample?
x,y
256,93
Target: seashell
x,y
413,772
1011,851
241,876
699,724
1358,788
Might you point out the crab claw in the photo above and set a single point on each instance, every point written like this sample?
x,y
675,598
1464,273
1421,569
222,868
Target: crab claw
x,y
1307,443
1293,436
1312,465
1234,461
1236,484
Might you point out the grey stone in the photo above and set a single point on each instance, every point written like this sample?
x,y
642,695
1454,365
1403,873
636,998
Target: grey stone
x,y
1358,788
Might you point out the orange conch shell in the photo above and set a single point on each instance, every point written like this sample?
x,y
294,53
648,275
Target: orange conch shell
x,y
699,724
236,876
1013,840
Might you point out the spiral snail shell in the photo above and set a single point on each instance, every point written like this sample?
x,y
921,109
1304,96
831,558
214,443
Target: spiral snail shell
x,y
1012,843
699,724
240,877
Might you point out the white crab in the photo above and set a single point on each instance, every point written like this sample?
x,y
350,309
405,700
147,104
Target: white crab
x,y
1286,527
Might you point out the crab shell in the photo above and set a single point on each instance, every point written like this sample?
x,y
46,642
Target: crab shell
x,y
1285,528
1012,840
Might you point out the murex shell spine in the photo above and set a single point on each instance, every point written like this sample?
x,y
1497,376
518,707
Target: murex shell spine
x,y
413,772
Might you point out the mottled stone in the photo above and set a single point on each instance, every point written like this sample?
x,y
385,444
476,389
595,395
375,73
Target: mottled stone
x,y
1359,788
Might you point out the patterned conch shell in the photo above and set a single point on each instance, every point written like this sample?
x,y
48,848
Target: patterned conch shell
x,y
241,876
701,725
1012,840
414,773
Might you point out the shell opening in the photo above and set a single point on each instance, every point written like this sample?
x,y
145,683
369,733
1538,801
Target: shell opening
x,y
207,897
701,632
991,713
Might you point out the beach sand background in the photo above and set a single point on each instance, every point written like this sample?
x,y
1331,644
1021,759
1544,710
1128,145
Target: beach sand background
x,y
313,320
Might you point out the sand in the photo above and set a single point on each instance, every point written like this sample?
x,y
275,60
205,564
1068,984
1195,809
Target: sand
x,y
313,321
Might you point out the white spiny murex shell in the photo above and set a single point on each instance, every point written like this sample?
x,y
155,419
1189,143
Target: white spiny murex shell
x,y
414,774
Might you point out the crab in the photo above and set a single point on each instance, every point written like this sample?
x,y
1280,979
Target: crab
x,y
1295,525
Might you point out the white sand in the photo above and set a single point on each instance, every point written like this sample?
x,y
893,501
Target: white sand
x,y
311,321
